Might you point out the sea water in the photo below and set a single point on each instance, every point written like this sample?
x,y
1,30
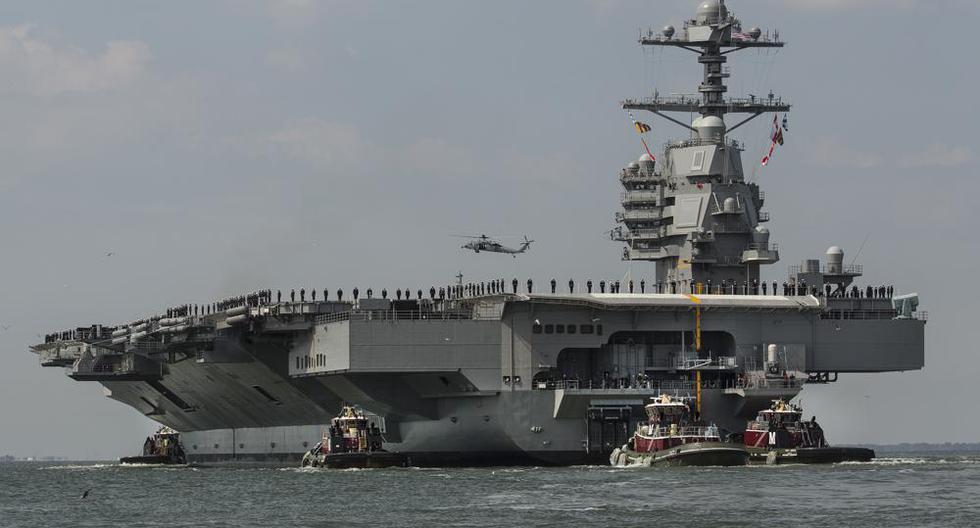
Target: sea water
x,y
905,490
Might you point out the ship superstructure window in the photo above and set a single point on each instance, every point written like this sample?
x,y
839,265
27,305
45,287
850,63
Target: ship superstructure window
x,y
598,329
698,163
586,329
560,329
571,329
536,328
549,328
297,362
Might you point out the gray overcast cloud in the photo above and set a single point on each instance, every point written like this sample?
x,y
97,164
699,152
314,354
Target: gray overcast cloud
x,y
217,147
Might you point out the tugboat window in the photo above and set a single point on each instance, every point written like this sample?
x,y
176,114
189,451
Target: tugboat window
x,y
560,329
586,329
549,328
571,329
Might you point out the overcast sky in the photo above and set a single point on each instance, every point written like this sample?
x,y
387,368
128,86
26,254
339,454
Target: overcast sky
x,y
223,146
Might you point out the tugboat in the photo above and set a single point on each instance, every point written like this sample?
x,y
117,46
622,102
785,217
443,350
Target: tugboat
x,y
352,441
162,448
779,435
671,438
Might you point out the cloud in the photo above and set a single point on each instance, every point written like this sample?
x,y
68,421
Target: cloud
x,y
300,14
293,12
315,142
33,66
604,6
938,155
832,152
289,59
866,5
847,5
63,103
432,156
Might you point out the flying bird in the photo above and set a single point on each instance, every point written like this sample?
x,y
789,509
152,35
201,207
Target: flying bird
x,y
85,495
110,253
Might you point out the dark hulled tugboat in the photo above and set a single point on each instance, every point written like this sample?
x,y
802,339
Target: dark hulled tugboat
x,y
352,441
671,438
779,435
161,448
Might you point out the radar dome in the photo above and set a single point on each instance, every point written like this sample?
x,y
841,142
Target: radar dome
x,y
729,205
835,259
646,163
633,167
760,235
711,12
709,127
755,33
668,31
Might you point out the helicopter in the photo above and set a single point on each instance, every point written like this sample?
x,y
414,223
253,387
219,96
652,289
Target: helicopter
x,y
485,243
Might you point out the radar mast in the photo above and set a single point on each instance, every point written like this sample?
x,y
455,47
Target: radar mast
x,y
695,216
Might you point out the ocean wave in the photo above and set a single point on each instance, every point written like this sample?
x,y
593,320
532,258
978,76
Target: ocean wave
x,y
911,461
68,467
308,469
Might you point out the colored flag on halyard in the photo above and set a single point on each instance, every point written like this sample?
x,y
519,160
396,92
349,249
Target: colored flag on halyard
x,y
776,136
642,128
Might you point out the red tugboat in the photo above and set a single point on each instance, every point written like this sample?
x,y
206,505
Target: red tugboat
x,y
671,438
352,441
162,448
779,435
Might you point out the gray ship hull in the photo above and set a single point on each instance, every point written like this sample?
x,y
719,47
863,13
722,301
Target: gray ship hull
x,y
492,384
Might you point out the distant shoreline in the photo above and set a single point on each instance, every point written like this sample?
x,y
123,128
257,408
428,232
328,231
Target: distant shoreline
x,y
920,447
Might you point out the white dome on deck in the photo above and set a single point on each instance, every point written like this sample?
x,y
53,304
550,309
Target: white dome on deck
x,y
711,11
709,127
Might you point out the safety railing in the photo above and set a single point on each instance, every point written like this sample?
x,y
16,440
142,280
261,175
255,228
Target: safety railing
x,y
844,269
639,196
639,175
661,431
763,383
615,384
396,315
640,214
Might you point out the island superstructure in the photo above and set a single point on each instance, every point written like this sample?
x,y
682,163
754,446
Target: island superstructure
x,y
509,371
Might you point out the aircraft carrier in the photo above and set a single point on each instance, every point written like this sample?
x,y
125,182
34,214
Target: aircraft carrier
x,y
510,371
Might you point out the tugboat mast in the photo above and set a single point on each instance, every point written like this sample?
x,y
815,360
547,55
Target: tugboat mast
x,y
696,217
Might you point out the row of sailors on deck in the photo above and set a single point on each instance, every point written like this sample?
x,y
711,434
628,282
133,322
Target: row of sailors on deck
x,y
459,291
